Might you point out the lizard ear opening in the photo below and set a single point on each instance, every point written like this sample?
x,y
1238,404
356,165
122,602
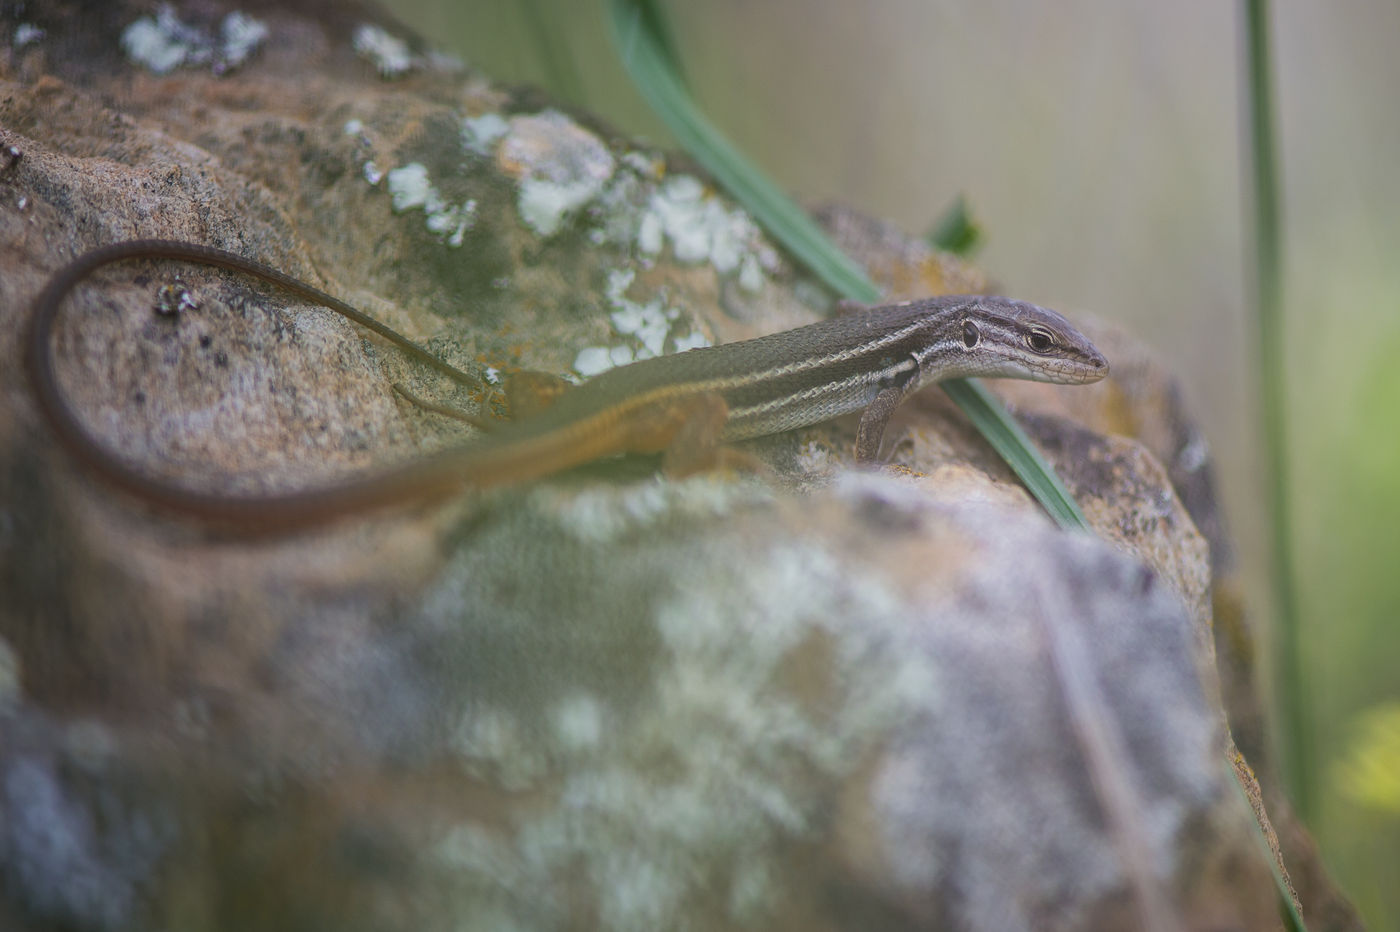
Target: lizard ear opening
x,y
970,334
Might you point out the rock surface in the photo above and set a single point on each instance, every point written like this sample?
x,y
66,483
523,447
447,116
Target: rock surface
x,y
826,698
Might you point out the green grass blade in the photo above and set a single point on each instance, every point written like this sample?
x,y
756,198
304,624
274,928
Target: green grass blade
x,y
647,52
1268,295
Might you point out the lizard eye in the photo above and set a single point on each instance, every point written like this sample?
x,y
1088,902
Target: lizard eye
x,y
1040,340
970,334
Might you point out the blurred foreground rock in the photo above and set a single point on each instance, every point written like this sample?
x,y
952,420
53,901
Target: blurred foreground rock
x,y
823,699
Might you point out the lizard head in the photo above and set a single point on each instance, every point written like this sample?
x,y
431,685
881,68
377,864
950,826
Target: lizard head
x,y
1006,338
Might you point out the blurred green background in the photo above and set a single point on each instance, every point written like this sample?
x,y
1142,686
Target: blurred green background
x,y
1099,146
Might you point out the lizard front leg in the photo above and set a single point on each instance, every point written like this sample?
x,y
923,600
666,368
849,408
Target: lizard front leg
x,y
873,420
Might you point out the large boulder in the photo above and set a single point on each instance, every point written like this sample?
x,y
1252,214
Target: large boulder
x,y
820,697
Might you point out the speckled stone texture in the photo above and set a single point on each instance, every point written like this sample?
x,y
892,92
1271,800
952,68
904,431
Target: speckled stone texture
x,y
820,698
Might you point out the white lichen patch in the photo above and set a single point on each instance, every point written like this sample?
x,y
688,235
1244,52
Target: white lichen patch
x,y
813,459
370,169
602,515
240,36
788,592
700,228
751,272
650,167
560,165
146,43
564,171
164,42
410,188
692,340
747,767
480,134
389,54
492,744
544,204
647,323
648,330
26,34
579,723
639,209
592,360
472,848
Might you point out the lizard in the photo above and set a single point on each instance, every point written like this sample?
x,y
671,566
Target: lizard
x,y
687,406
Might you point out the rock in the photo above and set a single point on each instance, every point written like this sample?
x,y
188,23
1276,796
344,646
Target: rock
x,y
823,698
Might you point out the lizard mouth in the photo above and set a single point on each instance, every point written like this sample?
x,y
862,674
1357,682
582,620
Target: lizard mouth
x,y
1075,371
